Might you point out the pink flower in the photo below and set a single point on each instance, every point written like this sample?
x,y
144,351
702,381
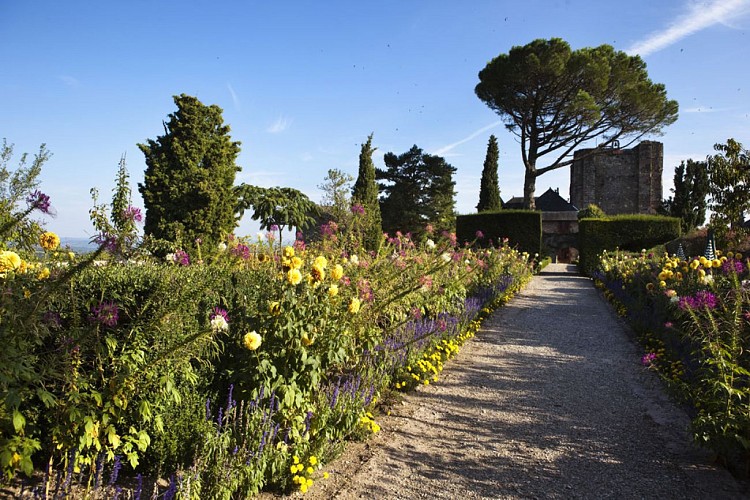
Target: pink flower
x,y
648,359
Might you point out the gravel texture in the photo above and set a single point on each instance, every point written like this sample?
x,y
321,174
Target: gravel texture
x,y
549,400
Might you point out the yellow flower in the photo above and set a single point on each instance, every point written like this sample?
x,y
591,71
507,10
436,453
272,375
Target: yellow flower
x,y
9,261
318,273
49,241
325,475
313,460
695,263
704,261
296,263
295,458
252,340
738,256
309,471
354,305
288,252
337,272
702,273
274,308
71,255
321,262
306,339
294,277
333,290
303,488
716,263
43,274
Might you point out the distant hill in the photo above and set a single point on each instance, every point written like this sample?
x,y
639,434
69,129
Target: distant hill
x,y
78,245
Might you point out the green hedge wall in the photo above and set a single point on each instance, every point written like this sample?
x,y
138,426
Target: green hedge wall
x,y
523,228
626,232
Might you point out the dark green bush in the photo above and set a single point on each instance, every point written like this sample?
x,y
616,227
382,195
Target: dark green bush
x,y
522,228
626,232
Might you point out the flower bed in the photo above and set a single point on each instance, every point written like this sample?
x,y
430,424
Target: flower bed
x,y
692,317
242,369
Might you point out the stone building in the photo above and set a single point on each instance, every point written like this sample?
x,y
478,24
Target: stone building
x,y
619,181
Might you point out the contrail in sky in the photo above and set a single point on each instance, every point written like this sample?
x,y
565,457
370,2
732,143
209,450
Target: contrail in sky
x,y
447,148
697,18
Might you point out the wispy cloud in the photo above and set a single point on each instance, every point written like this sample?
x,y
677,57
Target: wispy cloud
x,y
281,124
69,80
699,16
235,99
445,149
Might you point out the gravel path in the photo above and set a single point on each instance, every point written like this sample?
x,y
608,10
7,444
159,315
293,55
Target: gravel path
x,y
548,401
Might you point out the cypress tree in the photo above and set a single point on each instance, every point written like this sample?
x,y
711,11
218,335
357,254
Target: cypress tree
x,y
489,192
188,189
365,193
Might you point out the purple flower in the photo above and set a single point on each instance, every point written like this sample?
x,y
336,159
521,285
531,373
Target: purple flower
x,y
218,311
181,257
39,201
133,213
358,209
105,313
274,227
108,241
732,266
480,235
702,298
115,470
648,359
241,251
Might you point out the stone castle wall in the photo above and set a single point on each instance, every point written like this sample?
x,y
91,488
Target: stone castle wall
x,y
619,181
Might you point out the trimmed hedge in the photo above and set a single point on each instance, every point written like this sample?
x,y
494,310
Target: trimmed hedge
x,y
626,232
523,228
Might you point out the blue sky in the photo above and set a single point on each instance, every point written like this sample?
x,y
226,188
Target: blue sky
x,y
302,84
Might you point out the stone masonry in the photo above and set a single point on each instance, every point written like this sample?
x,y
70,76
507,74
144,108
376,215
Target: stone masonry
x,y
619,181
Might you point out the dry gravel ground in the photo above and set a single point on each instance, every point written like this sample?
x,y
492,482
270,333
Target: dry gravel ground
x,y
548,401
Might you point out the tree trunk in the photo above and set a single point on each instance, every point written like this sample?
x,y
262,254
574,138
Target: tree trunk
x,y
529,187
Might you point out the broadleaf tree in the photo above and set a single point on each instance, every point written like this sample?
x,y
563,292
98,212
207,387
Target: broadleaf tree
x,y
555,99
489,190
729,185
365,193
188,189
690,190
417,189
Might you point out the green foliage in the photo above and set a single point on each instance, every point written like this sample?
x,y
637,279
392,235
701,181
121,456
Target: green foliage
x,y
555,99
521,228
117,223
280,207
365,193
592,211
18,186
489,191
690,194
418,190
190,170
626,232
729,179
336,189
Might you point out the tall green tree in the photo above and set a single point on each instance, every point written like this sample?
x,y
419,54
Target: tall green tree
x,y
729,180
690,194
18,188
554,99
190,171
337,189
417,189
365,193
489,190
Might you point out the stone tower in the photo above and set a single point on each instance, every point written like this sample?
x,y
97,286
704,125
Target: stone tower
x,y
619,181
